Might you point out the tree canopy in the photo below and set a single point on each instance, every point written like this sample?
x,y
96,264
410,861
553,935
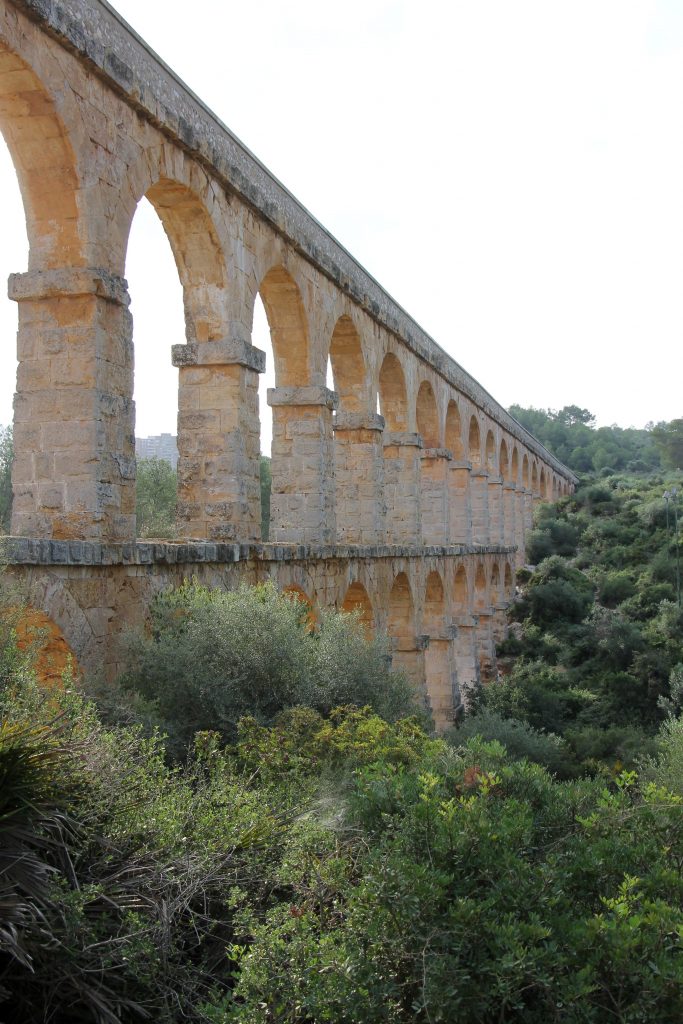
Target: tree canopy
x,y
570,434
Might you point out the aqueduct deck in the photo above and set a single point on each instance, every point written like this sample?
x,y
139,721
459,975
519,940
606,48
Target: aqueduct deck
x,y
415,513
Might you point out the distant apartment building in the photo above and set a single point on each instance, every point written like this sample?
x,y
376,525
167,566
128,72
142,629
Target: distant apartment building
x,y
162,446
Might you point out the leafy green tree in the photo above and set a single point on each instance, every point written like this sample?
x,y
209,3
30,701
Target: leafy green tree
x,y
669,440
6,457
571,435
214,656
156,497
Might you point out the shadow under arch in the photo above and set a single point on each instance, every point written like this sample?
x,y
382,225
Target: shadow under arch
x,y
461,591
508,582
434,605
427,416
453,432
504,461
490,452
515,465
401,614
348,366
495,584
480,588
45,164
357,600
393,401
288,325
474,442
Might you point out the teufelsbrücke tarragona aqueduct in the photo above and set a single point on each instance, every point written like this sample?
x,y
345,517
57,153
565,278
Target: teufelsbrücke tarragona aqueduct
x,y
416,513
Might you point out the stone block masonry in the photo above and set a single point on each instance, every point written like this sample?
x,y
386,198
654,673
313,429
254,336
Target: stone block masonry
x,y
405,490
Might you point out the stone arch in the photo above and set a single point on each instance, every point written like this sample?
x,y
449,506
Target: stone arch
x,y
525,471
515,465
49,593
474,442
490,452
401,614
495,583
534,477
461,590
357,599
504,461
542,483
508,581
453,434
392,393
434,604
427,415
288,328
480,588
45,164
198,255
348,365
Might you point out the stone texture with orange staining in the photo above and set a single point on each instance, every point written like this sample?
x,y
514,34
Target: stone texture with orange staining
x,y
53,656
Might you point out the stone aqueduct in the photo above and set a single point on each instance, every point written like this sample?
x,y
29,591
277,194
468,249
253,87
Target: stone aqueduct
x,y
416,513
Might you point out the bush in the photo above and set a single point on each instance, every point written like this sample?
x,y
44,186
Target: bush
x,y
214,657
156,498
519,739
615,587
664,767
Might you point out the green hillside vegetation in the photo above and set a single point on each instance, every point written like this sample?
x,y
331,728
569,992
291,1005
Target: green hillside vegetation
x,y
597,627
571,435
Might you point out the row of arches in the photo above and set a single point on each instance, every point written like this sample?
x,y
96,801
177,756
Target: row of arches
x,y
366,461
443,625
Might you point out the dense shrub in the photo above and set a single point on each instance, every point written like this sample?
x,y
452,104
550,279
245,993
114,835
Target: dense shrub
x,y
212,657
521,741
597,632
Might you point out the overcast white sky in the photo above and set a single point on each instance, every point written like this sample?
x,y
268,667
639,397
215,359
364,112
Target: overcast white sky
x,y
511,171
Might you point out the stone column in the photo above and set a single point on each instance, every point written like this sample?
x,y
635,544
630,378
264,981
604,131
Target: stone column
x,y
496,510
466,660
219,494
520,525
459,503
74,467
434,495
480,506
528,509
499,625
441,677
302,496
408,656
486,648
402,487
359,478
509,515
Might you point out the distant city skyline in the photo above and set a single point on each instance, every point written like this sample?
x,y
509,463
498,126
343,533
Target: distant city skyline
x,y
510,173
